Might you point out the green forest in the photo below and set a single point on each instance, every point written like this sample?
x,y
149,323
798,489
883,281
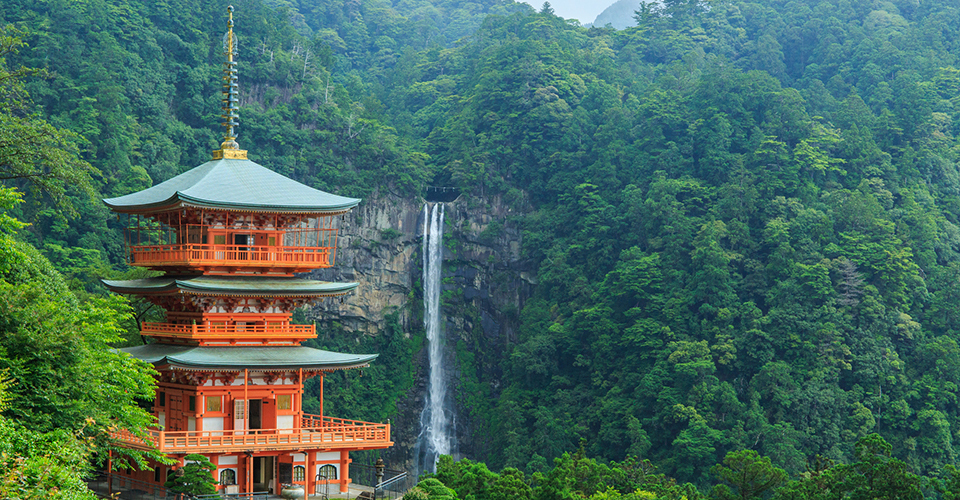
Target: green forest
x,y
743,218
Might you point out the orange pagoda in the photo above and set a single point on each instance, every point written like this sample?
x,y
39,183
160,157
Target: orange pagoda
x,y
229,236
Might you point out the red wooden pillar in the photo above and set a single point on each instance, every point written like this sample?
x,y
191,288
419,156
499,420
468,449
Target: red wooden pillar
x,y
309,476
344,470
215,460
249,475
246,402
298,419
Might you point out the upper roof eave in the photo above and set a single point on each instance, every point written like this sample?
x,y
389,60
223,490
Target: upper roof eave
x,y
232,184
179,200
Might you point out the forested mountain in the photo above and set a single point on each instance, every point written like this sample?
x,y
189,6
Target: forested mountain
x,y
743,215
737,248
621,14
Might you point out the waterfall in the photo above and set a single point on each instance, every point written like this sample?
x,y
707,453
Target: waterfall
x,y
435,437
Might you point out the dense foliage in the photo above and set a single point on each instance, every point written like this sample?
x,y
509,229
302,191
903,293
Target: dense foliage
x,y
62,387
736,249
743,475
743,215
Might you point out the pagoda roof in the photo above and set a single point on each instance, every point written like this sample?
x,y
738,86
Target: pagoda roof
x,y
253,358
246,286
232,184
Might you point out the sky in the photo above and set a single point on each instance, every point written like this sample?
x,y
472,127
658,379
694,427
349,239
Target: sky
x,y
584,11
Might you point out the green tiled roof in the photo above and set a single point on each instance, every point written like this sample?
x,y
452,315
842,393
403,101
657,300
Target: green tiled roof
x,y
232,285
254,358
236,185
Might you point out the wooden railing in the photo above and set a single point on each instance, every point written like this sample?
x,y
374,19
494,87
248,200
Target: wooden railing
x,y
331,434
230,255
202,331
322,421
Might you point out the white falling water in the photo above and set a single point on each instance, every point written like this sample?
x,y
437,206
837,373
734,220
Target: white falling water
x,y
435,420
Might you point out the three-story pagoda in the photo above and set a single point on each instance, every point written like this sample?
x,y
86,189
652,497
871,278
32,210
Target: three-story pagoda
x,y
229,236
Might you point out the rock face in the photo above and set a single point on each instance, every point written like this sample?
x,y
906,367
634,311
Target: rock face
x,y
379,249
485,286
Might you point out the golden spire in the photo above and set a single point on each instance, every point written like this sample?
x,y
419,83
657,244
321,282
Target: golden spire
x,y
229,149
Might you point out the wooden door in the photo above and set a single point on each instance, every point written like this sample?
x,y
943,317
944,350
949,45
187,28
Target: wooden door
x,y
256,422
241,241
175,419
239,416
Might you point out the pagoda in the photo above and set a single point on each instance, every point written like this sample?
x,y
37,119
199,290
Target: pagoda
x,y
228,237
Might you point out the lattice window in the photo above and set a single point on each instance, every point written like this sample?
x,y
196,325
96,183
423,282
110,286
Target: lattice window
x,y
284,402
327,472
299,473
228,477
213,403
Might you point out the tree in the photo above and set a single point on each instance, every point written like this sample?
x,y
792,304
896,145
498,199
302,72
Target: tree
x,y
430,489
33,152
750,474
510,485
874,476
34,466
195,478
66,377
851,284
949,486
647,13
37,459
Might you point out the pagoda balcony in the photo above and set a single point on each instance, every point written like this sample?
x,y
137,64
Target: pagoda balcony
x,y
204,333
227,258
315,433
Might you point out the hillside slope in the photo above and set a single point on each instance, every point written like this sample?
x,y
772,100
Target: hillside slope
x,y
745,228
742,216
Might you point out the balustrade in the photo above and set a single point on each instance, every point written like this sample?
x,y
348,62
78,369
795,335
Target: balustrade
x,y
230,255
317,433
204,331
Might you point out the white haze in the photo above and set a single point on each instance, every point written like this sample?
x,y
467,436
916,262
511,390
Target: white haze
x,y
584,11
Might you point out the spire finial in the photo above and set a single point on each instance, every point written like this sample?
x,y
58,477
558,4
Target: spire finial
x,y
229,149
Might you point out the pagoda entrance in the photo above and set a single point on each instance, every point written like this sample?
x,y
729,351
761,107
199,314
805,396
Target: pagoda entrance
x,y
263,474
